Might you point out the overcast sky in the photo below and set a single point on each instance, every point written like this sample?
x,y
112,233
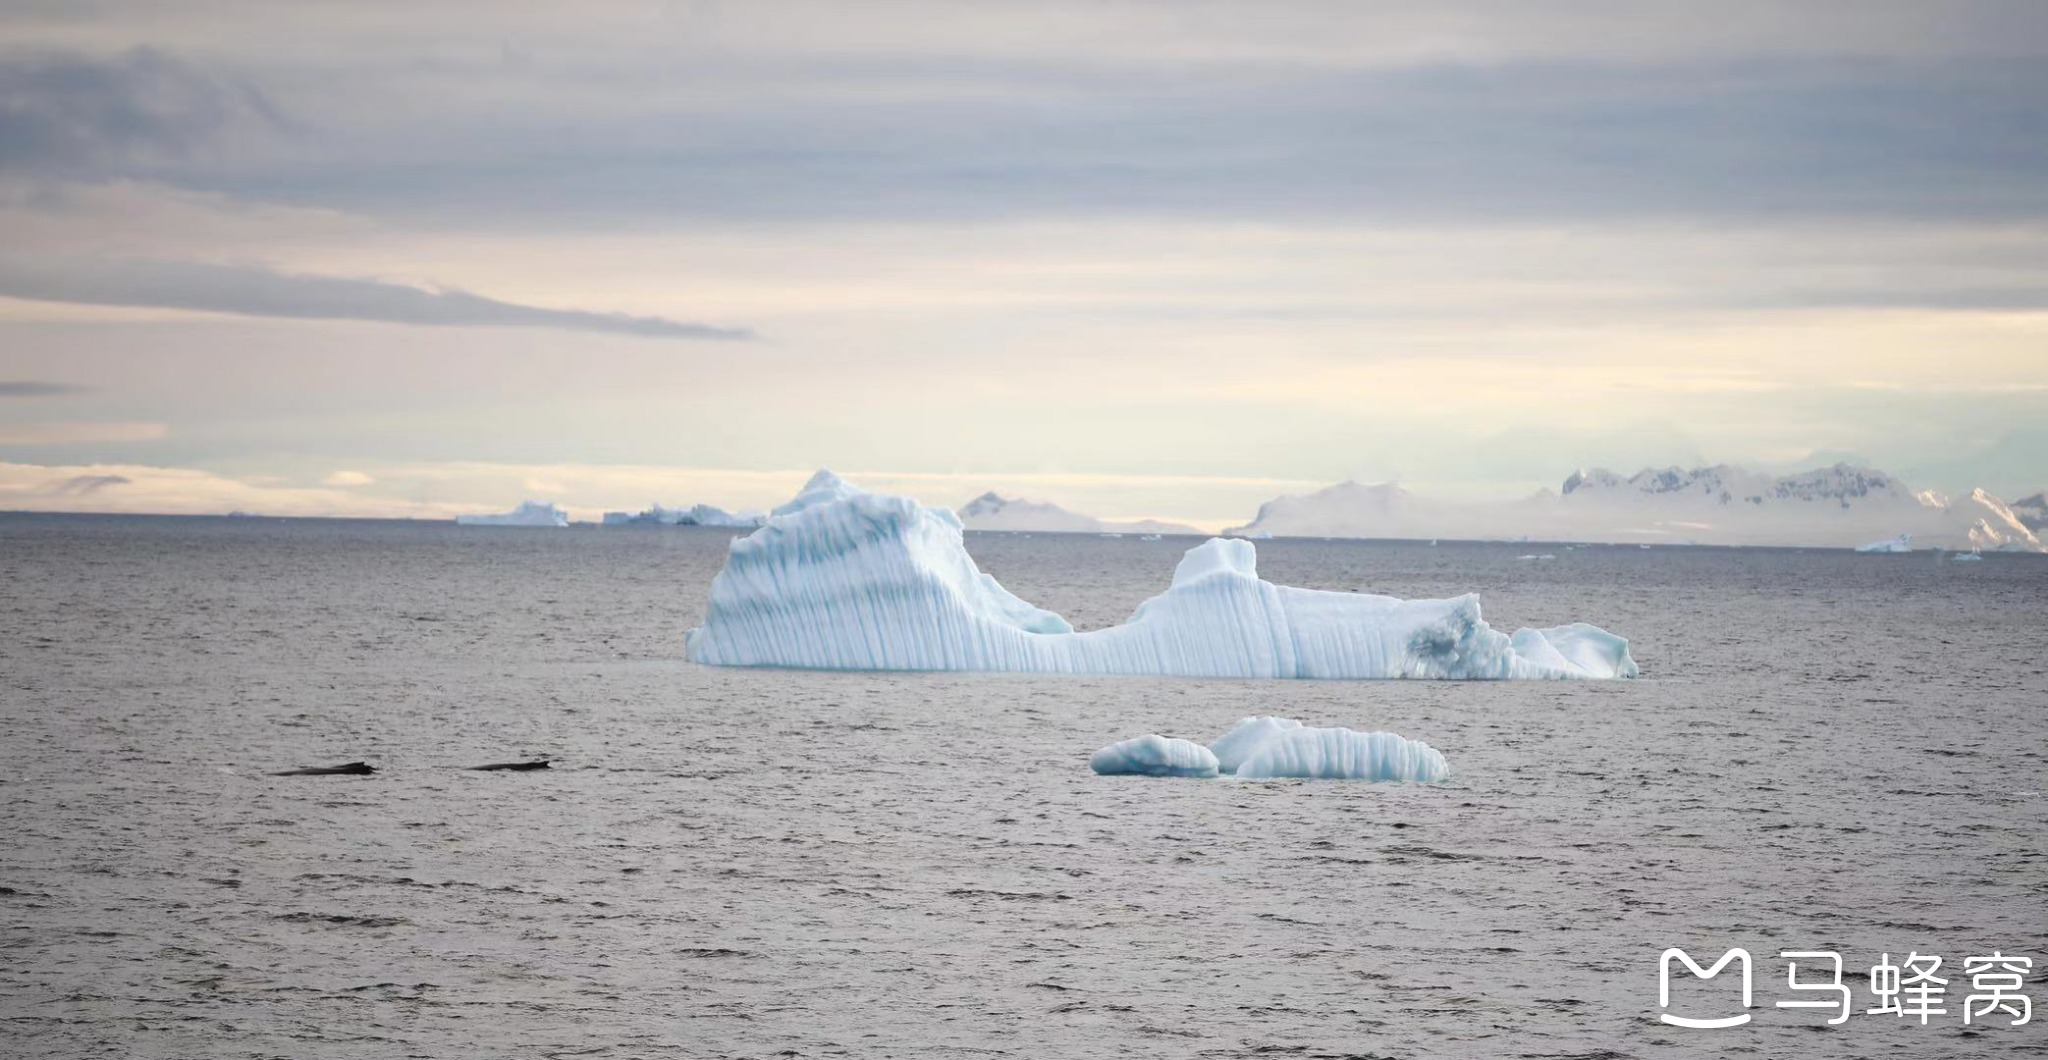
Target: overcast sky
x,y
1144,259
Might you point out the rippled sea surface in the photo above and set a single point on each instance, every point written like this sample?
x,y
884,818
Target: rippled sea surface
x,y
1826,751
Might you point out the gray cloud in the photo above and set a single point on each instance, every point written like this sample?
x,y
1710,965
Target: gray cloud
x,y
1908,293
1809,137
33,388
78,115
264,293
615,131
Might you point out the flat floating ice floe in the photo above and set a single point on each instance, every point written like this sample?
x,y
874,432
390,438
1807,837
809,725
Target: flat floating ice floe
x,y
1154,756
844,579
1277,748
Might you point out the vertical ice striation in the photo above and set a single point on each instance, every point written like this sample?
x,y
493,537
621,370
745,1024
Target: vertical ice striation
x,y
843,579
1345,754
1267,748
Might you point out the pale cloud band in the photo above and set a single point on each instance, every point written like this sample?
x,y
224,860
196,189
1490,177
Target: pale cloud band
x,y
252,291
80,433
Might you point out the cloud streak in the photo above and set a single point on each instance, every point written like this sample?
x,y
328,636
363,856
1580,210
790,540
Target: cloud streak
x,y
259,292
36,388
83,485
70,433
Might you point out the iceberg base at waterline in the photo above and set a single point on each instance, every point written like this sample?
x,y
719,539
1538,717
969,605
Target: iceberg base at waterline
x,y
1278,748
844,579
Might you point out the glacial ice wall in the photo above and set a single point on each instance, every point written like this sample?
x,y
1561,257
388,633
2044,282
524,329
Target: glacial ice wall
x,y
843,579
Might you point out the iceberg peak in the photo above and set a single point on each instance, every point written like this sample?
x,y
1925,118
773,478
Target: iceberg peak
x,y
1227,556
1250,736
844,579
823,487
824,479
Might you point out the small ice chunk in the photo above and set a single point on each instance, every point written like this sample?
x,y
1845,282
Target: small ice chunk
x,y
1154,756
1247,739
1345,754
1577,647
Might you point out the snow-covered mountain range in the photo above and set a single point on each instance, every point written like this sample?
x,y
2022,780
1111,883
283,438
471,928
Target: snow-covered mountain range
x,y
1832,507
991,511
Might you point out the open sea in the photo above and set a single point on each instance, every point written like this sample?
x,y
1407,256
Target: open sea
x,y
1826,752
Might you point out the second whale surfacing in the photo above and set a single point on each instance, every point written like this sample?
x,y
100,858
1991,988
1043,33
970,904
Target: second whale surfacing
x,y
844,579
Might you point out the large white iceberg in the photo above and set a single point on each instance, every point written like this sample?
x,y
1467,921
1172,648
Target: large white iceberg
x,y
1344,754
843,579
529,513
1154,756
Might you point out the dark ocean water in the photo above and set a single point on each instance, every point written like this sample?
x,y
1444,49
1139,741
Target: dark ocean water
x,y
1826,752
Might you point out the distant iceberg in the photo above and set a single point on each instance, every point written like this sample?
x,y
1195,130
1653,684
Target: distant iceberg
x,y
529,513
1901,543
993,511
709,515
843,579
695,515
1154,756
